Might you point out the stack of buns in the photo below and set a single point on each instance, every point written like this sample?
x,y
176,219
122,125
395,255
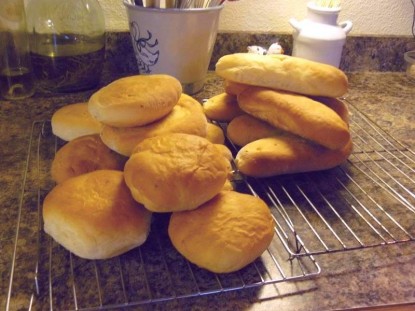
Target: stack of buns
x,y
152,151
283,112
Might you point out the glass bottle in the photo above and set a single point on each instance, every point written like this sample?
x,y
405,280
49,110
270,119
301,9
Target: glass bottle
x,y
16,76
67,43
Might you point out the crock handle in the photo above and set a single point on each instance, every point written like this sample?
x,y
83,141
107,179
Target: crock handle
x,y
347,26
295,24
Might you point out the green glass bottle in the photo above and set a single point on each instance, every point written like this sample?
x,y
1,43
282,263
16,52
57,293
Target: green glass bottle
x,y
67,44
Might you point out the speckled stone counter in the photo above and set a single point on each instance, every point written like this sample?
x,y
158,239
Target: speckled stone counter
x,y
353,279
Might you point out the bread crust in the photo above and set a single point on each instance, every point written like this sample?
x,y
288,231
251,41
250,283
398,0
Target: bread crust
x,y
214,134
73,121
94,216
287,154
175,172
186,117
283,72
296,114
222,107
245,129
135,100
225,234
83,155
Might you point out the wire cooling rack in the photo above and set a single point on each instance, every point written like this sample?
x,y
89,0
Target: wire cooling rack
x,y
367,202
46,276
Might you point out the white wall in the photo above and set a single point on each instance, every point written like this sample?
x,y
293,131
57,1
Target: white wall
x,y
369,17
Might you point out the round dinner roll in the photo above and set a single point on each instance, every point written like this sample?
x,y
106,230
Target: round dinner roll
x,y
83,155
73,121
94,216
175,172
186,117
214,134
135,100
225,234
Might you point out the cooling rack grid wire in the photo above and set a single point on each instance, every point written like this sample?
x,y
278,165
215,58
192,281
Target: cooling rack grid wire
x,y
367,202
46,276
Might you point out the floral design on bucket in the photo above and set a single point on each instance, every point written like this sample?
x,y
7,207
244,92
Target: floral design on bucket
x,y
146,52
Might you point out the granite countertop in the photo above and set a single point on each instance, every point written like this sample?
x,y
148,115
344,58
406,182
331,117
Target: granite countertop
x,y
360,278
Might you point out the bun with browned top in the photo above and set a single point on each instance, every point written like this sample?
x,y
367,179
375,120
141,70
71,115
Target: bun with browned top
x,y
224,234
73,121
186,117
94,216
83,155
135,100
175,172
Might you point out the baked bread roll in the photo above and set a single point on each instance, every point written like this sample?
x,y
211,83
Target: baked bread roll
x,y
296,114
336,105
73,121
287,154
135,100
225,234
175,172
83,155
234,88
94,216
245,129
214,134
283,72
222,107
186,117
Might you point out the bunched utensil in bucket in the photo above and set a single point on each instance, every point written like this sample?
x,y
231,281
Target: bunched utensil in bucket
x,y
178,42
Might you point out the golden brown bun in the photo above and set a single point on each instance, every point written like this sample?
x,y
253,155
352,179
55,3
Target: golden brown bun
x,y
175,172
222,107
287,154
73,121
83,155
245,129
135,100
186,117
215,134
225,234
283,72
234,88
224,150
94,216
296,114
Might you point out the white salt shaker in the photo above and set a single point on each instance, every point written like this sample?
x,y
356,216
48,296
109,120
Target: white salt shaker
x,y
319,37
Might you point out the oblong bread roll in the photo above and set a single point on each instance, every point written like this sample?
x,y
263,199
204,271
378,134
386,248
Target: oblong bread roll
x,y
222,107
245,129
234,88
337,105
283,72
287,154
296,114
